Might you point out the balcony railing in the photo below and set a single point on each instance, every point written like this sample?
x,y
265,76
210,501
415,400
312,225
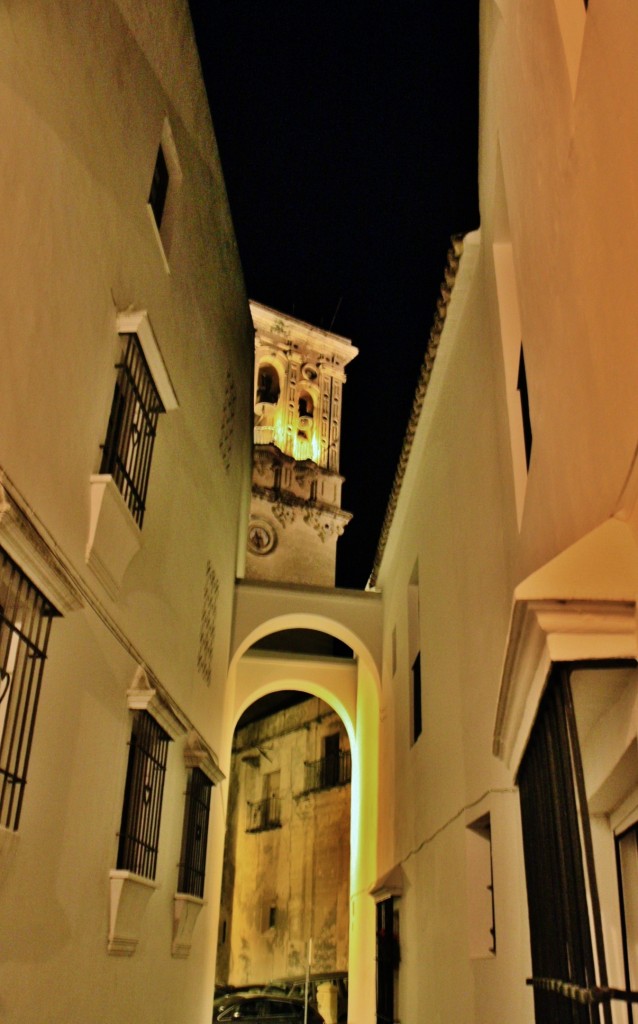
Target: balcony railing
x,y
333,770
263,814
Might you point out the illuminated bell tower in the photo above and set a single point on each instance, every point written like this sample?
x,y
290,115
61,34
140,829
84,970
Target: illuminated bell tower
x,y
296,515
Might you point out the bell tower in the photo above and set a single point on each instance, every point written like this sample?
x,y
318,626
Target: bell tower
x,y
296,515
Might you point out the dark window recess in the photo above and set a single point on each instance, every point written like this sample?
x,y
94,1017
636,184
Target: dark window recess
x,y
521,387
142,809
159,187
387,959
331,760
264,814
25,622
192,868
417,721
272,917
127,451
334,769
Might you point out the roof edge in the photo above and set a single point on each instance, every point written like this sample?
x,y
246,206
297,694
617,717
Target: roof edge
x,y
447,285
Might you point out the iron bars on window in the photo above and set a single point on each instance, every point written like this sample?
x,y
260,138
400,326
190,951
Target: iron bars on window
x,y
142,808
192,866
264,814
25,622
130,436
332,770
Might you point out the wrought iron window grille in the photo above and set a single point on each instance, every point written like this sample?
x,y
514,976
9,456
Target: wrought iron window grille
x,y
263,814
143,793
130,436
25,623
333,770
586,996
192,868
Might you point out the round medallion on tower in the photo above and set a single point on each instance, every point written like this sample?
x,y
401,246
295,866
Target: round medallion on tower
x,y
261,537
309,372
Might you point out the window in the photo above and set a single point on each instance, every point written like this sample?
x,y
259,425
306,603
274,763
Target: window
x,y
511,329
25,622
417,720
331,759
482,929
127,451
414,654
192,867
165,193
561,886
521,387
267,385
387,960
627,866
333,769
266,813
159,187
142,808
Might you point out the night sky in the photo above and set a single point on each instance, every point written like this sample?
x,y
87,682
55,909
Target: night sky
x,y
348,141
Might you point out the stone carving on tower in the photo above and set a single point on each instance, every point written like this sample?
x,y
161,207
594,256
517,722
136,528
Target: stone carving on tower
x,y
296,515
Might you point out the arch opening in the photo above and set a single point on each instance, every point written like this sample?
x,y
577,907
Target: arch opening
x,y
350,687
286,880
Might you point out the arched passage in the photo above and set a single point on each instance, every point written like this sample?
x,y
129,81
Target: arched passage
x,y
354,694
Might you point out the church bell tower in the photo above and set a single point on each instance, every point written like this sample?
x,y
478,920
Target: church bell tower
x,y
296,515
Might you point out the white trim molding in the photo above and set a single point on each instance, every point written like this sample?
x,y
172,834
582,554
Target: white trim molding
x,y
114,536
136,321
541,633
390,884
129,897
186,910
141,696
24,543
581,606
197,754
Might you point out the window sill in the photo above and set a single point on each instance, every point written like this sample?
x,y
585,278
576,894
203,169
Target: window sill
x,y
8,847
186,910
129,896
114,536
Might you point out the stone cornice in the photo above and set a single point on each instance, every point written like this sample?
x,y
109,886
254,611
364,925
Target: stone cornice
x,y
282,331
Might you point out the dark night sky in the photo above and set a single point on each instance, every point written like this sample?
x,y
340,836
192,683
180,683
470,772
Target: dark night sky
x,y
348,141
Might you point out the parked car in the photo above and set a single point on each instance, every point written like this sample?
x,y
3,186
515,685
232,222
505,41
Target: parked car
x,y
274,1009
296,987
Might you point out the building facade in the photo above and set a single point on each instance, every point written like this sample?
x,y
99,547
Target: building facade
x,y
125,467
285,890
490,705
296,517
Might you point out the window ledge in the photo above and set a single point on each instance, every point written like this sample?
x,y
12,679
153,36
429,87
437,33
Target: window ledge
x,y
114,536
129,896
8,846
186,910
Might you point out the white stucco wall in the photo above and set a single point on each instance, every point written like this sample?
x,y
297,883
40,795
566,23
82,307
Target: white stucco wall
x,y
557,181
84,95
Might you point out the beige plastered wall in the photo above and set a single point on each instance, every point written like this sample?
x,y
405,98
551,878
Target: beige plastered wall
x,y
557,174
84,96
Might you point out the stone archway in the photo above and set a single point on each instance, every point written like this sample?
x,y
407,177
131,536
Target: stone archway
x,y
355,696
